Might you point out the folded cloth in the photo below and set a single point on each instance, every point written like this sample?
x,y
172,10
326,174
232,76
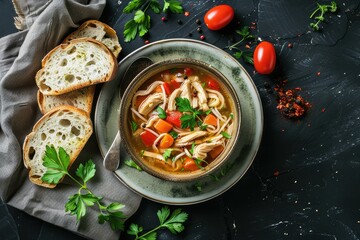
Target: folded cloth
x,y
45,23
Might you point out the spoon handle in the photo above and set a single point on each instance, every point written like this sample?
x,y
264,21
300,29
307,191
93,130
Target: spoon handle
x,y
112,158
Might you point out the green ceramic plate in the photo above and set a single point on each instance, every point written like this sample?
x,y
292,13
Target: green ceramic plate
x,y
106,124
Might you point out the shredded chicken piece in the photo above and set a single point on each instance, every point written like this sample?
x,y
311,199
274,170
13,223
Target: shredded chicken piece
x,y
187,140
201,94
145,92
201,150
150,103
152,120
172,97
216,99
186,90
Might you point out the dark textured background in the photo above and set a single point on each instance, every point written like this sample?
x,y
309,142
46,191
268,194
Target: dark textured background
x,y
304,182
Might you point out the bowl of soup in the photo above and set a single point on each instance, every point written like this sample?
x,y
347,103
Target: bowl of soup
x,y
180,119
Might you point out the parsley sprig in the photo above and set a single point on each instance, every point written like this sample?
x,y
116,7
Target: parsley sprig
x,y
140,24
171,221
188,119
57,164
323,8
247,56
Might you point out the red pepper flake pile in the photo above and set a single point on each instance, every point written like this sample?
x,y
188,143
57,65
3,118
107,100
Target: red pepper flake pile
x,y
290,103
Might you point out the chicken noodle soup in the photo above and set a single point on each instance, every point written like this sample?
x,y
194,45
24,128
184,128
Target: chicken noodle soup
x,y
181,120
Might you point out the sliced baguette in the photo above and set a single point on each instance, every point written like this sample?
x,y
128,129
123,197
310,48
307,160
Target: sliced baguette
x,y
81,98
82,62
67,127
98,31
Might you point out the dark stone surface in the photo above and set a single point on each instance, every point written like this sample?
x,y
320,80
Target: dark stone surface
x,y
304,182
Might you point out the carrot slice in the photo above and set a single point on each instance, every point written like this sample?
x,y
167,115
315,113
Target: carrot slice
x,y
158,89
216,151
210,120
166,141
189,164
162,126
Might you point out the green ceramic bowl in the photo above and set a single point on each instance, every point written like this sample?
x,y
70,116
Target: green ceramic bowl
x,y
125,115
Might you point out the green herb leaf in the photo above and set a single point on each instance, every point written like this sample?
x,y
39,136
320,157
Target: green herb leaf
x,y
134,229
183,105
174,134
115,206
187,120
226,135
161,112
56,163
192,148
86,172
130,30
140,24
198,162
246,56
167,153
134,126
322,8
203,127
132,164
172,5
174,222
155,6
133,5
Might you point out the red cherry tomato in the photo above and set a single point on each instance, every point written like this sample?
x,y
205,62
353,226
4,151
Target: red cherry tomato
x,y
212,84
173,117
264,58
219,16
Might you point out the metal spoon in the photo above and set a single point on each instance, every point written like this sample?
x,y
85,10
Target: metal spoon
x,y
112,158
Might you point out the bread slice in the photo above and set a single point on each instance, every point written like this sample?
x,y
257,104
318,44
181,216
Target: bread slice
x,y
81,98
82,62
98,31
67,127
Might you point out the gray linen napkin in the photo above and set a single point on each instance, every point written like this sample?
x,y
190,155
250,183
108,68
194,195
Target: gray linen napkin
x,y
45,24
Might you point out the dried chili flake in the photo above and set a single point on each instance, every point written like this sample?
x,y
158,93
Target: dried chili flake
x,y
276,173
290,103
186,14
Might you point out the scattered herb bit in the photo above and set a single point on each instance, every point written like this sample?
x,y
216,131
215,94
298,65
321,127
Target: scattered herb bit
x,y
142,153
226,135
57,164
290,103
208,112
174,134
140,24
198,186
161,112
187,120
198,162
171,221
232,115
192,148
132,164
203,127
134,126
167,153
223,171
323,8
246,56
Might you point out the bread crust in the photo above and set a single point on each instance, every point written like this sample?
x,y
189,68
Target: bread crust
x,y
28,148
110,32
62,47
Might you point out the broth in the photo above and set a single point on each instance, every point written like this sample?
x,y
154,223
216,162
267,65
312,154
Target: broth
x,y
181,120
